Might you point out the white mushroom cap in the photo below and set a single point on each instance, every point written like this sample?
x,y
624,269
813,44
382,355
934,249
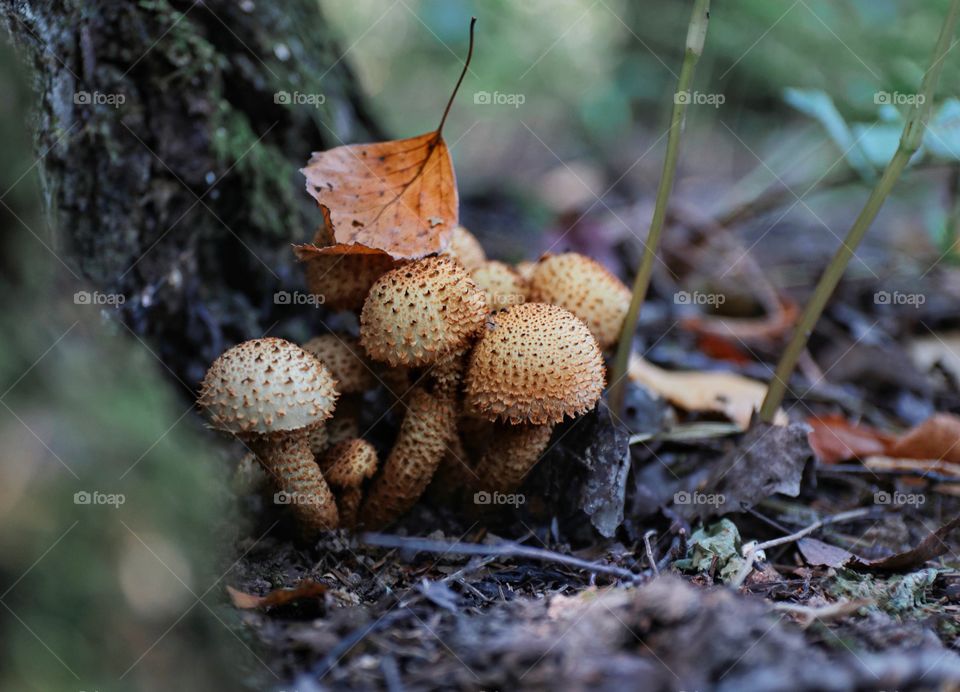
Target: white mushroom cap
x,y
267,386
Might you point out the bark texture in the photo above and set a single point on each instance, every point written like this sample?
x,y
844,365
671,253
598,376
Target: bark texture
x,y
169,157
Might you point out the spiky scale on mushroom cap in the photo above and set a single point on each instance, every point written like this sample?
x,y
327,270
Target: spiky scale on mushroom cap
x,y
465,247
535,363
502,285
344,358
265,386
421,311
585,288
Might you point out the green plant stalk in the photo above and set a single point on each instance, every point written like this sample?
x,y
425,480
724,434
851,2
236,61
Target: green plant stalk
x,y
696,36
910,141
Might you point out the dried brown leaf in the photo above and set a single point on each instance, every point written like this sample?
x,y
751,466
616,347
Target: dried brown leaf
x,y
305,589
398,196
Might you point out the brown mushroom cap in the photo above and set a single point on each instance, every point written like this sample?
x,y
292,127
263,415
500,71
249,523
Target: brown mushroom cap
x,y
465,247
343,280
266,386
502,286
525,269
585,288
535,363
421,311
344,358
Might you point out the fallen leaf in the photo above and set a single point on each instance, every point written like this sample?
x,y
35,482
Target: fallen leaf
x,y
398,196
305,589
938,437
921,467
834,439
820,554
933,546
586,471
745,329
769,459
733,395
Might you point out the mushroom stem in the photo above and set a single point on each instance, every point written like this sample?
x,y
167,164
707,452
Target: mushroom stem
x,y
427,428
512,452
288,459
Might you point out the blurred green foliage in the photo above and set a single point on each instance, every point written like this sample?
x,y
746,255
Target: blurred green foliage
x,y
593,72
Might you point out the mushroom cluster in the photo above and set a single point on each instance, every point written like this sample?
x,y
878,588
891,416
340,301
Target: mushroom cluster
x,y
482,358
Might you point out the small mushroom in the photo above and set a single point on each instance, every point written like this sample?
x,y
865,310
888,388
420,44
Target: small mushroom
x,y
270,394
465,247
421,311
425,313
534,365
502,285
344,358
346,466
584,287
425,434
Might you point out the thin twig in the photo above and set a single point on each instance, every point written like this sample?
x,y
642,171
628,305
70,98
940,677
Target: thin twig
x,y
507,549
649,549
750,550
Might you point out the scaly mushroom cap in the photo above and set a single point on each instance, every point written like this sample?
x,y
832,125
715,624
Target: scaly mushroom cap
x,y
525,269
585,288
465,247
421,311
501,284
343,280
266,386
535,363
344,358
347,464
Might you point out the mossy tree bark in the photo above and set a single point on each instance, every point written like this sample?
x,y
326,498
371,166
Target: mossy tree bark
x,y
169,163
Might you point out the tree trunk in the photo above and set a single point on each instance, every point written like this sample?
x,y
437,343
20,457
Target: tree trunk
x,y
170,134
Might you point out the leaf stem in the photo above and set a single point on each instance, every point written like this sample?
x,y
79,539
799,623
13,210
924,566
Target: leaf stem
x,y
463,73
696,36
910,141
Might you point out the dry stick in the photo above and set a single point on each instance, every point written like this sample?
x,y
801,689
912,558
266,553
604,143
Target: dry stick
x,y
696,36
501,549
750,550
909,143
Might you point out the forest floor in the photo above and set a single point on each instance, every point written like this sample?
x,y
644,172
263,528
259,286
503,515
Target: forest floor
x,y
668,547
